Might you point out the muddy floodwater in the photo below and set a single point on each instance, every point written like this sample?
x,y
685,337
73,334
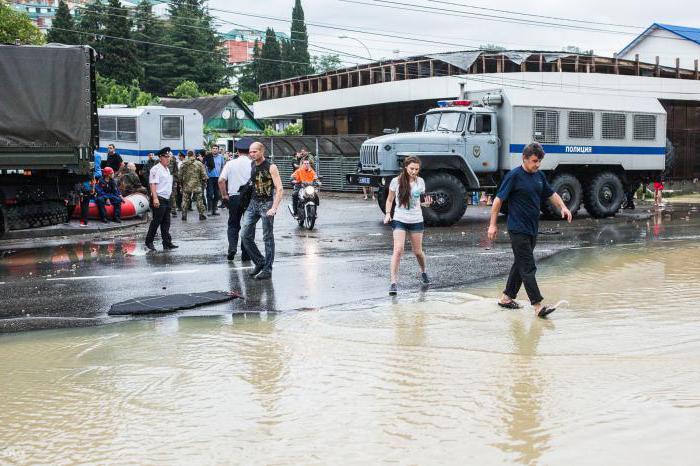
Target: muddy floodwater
x,y
441,377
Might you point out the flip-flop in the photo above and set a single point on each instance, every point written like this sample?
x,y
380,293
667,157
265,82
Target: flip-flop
x,y
510,305
545,311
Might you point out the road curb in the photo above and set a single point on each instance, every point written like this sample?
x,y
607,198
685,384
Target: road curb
x,y
72,229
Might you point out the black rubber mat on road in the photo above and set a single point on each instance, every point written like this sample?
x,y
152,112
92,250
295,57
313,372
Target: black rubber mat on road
x,y
170,303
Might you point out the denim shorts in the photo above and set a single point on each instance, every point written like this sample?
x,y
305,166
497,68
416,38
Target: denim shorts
x,y
409,227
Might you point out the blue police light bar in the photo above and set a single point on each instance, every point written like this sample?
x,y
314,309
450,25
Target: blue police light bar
x,y
444,103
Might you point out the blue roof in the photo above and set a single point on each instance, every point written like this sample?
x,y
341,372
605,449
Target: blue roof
x,y
688,33
683,31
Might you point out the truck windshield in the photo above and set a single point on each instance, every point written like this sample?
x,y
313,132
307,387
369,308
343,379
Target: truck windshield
x,y
444,121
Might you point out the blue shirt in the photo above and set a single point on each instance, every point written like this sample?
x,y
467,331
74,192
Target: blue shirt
x,y
218,165
525,193
98,165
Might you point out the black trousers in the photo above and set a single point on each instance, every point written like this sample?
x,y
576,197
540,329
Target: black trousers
x,y
235,213
523,270
161,218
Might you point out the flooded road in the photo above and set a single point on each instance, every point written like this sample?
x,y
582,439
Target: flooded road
x,y
441,377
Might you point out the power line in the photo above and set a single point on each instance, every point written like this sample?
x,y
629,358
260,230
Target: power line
x,y
531,14
402,6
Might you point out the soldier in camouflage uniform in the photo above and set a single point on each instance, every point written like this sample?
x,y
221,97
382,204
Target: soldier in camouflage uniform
x,y
172,167
192,175
129,182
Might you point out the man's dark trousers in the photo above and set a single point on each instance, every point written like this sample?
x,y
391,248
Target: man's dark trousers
x,y
523,270
161,218
235,212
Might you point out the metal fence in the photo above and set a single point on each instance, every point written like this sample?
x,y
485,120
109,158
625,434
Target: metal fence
x,y
335,156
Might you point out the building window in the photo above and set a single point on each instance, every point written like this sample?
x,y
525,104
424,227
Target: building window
x,y
614,126
546,126
644,127
581,125
171,127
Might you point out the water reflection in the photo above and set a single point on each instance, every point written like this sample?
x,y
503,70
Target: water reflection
x,y
523,393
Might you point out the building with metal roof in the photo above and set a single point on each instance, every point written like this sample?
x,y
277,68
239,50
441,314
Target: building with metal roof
x,y
666,43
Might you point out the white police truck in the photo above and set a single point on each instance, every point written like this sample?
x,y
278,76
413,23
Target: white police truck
x,y
136,132
596,146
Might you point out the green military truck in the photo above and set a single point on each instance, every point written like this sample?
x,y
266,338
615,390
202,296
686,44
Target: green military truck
x,y
48,131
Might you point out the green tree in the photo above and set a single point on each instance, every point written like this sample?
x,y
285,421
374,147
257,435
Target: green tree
x,y
111,92
17,26
270,59
148,30
286,67
200,57
90,25
294,129
62,27
186,90
248,74
491,48
326,63
578,50
249,97
120,61
299,58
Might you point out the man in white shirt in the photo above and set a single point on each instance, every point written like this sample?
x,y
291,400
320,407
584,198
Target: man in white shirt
x,y
235,174
161,182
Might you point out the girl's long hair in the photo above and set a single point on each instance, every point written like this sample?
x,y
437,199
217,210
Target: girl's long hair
x,y
404,191
209,161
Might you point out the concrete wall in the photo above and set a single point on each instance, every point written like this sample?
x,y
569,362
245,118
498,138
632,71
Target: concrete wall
x,y
667,46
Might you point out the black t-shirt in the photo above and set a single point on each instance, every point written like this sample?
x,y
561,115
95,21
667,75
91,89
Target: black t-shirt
x,y
524,192
114,161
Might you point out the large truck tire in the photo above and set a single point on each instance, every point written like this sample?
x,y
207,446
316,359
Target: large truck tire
x,y
382,194
604,195
571,192
449,199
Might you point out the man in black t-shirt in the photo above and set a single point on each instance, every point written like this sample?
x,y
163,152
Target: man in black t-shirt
x,y
114,160
525,188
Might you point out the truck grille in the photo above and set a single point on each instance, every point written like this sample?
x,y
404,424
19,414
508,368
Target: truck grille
x,y
369,154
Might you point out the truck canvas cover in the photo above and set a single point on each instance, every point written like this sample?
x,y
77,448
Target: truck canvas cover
x,y
45,97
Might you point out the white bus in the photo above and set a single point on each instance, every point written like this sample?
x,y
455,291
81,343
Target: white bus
x,y
136,132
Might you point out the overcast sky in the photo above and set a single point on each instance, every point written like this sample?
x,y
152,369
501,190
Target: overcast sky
x,y
450,31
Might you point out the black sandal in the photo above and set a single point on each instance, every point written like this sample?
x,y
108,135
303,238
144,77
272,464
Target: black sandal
x,y
510,305
545,311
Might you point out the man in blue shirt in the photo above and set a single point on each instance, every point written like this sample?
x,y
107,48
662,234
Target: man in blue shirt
x,y
214,167
525,188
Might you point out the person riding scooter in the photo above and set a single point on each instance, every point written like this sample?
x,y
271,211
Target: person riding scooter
x,y
304,174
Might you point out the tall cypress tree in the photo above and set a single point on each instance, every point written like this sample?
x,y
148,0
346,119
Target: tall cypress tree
x,y
270,59
299,43
286,67
120,62
191,28
248,76
62,27
148,28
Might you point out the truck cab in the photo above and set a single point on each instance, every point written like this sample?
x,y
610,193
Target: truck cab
x,y
457,143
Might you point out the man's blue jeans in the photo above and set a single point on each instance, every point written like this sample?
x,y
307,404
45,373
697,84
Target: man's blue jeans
x,y
258,210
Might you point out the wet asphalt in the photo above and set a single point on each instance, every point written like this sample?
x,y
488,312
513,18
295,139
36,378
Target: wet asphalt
x,y
73,281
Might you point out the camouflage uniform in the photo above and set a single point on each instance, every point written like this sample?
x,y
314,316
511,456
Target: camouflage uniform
x,y
192,175
172,167
130,183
